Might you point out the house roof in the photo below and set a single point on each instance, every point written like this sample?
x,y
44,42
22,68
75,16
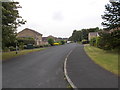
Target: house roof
x,y
112,30
31,30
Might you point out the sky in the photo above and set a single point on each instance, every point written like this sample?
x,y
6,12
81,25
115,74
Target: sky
x,y
60,17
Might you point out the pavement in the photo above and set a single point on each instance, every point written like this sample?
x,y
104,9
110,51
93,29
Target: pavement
x,y
84,73
43,69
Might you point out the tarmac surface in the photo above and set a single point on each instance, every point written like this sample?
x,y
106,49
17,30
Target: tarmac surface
x,y
43,69
84,73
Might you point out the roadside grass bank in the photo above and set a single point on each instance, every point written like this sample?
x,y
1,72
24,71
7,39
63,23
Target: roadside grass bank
x,y
11,54
106,59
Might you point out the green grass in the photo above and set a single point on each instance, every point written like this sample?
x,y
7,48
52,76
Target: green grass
x,y
8,55
106,59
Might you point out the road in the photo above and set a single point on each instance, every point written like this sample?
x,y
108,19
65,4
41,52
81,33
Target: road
x,y
43,69
84,73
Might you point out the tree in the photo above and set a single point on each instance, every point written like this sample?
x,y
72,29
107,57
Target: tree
x,y
82,34
110,36
50,41
70,38
76,36
86,31
111,16
10,21
85,34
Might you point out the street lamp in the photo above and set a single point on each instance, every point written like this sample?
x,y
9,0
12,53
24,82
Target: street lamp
x,y
16,46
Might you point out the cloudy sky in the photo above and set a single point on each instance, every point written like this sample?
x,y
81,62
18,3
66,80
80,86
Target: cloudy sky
x,y
60,17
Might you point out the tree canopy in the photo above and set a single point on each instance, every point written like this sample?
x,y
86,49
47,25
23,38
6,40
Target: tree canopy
x,y
110,36
50,41
79,35
10,21
111,15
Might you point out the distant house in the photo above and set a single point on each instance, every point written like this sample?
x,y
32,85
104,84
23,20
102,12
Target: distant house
x,y
45,39
92,35
50,36
31,33
115,29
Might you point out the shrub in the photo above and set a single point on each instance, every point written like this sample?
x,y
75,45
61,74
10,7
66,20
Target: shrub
x,y
50,41
36,46
26,40
46,45
93,42
21,46
41,46
6,49
12,48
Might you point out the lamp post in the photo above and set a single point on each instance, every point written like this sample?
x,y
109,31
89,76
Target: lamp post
x,y
16,46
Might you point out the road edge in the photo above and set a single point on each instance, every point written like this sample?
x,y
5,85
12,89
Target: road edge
x,y
66,74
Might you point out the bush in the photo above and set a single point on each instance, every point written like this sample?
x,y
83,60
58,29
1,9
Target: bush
x,y
6,49
107,41
41,46
100,43
46,45
26,40
36,46
93,42
50,41
12,48
21,46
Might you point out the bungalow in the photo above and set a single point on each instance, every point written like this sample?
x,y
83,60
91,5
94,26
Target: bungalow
x,y
92,35
31,33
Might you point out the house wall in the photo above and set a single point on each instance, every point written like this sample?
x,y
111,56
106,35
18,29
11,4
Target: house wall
x,y
92,35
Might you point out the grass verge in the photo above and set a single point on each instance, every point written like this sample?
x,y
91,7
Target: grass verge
x,y
8,55
106,59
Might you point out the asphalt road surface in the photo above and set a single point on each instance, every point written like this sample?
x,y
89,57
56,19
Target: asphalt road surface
x,y
86,74
43,69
